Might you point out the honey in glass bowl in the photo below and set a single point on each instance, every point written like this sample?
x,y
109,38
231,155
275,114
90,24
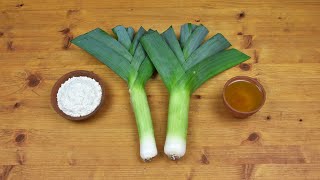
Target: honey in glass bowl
x,y
243,96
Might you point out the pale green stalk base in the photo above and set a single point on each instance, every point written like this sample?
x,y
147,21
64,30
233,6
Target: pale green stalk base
x,y
175,146
148,148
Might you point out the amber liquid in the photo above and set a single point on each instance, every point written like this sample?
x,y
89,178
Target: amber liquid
x,y
243,96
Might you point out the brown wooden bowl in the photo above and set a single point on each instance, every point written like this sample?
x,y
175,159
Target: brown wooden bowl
x,y
63,79
240,114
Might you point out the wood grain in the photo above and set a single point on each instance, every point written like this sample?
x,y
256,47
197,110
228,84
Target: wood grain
x,y
282,141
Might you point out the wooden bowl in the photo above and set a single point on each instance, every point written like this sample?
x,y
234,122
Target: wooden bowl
x,y
63,79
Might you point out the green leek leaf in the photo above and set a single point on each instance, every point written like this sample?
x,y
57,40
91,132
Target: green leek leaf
x,y
185,32
136,40
130,32
195,40
107,55
173,43
107,40
138,57
163,58
210,67
123,36
214,45
145,71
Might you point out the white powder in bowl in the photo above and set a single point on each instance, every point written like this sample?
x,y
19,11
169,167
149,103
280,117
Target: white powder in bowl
x,y
79,96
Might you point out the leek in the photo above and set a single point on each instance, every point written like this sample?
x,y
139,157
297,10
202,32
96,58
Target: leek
x,y
184,66
127,58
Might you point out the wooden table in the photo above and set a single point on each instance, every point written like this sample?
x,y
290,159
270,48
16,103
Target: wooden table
x,y
282,141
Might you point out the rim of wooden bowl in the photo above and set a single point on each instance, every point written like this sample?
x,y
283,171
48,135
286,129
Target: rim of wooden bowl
x,y
63,79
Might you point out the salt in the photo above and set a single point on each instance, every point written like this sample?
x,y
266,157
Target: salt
x,y
79,96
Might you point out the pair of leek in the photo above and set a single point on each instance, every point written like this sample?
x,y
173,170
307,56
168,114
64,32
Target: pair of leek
x,y
184,65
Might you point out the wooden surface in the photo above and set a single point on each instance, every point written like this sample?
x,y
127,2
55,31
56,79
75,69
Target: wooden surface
x,y
282,141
